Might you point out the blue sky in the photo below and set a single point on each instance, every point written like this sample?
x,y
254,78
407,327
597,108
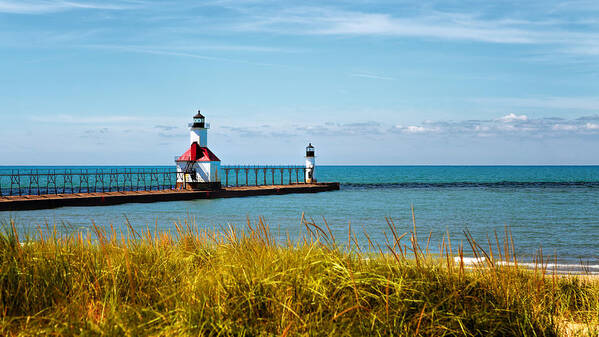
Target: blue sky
x,y
367,82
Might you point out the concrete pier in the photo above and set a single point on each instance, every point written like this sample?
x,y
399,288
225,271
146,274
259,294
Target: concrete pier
x,y
32,202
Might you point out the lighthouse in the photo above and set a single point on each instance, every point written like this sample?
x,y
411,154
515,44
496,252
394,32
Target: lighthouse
x,y
197,168
310,164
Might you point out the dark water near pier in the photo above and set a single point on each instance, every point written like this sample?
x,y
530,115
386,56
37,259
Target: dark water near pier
x,y
556,207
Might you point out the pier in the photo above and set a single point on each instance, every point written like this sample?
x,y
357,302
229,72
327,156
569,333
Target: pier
x,y
33,189
31,202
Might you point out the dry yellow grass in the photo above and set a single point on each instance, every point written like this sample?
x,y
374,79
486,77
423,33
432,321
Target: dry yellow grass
x,y
234,282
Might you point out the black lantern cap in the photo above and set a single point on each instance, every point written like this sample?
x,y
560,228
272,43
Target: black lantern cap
x,y
310,150
198,115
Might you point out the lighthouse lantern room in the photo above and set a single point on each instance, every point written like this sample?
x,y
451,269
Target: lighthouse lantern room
x,y
310,164
197,168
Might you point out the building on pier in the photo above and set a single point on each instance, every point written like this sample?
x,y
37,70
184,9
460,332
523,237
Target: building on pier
x,y
198,167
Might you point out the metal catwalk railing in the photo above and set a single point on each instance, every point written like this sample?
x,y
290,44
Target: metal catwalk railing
x,y
34,182
69,181
257,175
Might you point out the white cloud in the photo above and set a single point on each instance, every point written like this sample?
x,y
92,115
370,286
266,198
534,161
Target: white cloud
x,y
513,117
508,125
564,127
416,129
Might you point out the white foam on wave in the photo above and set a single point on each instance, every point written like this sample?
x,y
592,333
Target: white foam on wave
x,y
559,267
551,265
592,269
470,261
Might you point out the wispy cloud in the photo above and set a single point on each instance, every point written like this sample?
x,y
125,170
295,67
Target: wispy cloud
x,y
433,24
576,33
169,131
372,76
93,133
573,34
246,131
167,52
187,48
71,119
506,126
49,6
166,127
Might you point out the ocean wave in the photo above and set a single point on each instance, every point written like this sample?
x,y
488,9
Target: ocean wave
x,y
469,184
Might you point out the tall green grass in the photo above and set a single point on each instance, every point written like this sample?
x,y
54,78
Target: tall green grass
x,y
193,281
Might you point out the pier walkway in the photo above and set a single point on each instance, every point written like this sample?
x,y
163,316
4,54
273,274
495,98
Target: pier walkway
x,y
46,201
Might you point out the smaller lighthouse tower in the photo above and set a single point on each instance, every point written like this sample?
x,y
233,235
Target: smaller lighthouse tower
x,y
310,164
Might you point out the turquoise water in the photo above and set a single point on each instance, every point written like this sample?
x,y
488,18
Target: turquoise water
x,y
556,208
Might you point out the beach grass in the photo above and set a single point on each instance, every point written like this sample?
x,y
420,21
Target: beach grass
x,y
243,282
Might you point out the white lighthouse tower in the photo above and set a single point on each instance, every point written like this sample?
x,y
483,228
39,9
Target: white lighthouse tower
x,y
199,130
198,167
310,164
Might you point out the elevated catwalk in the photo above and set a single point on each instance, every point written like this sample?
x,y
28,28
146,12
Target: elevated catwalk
x,y
31,202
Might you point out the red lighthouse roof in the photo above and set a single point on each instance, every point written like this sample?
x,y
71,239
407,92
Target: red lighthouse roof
x,y
198,153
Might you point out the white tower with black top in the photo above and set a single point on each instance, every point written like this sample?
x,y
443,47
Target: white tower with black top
x,y
310,164
199,130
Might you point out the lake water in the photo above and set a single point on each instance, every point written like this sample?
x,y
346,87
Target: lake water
x,y
553,207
